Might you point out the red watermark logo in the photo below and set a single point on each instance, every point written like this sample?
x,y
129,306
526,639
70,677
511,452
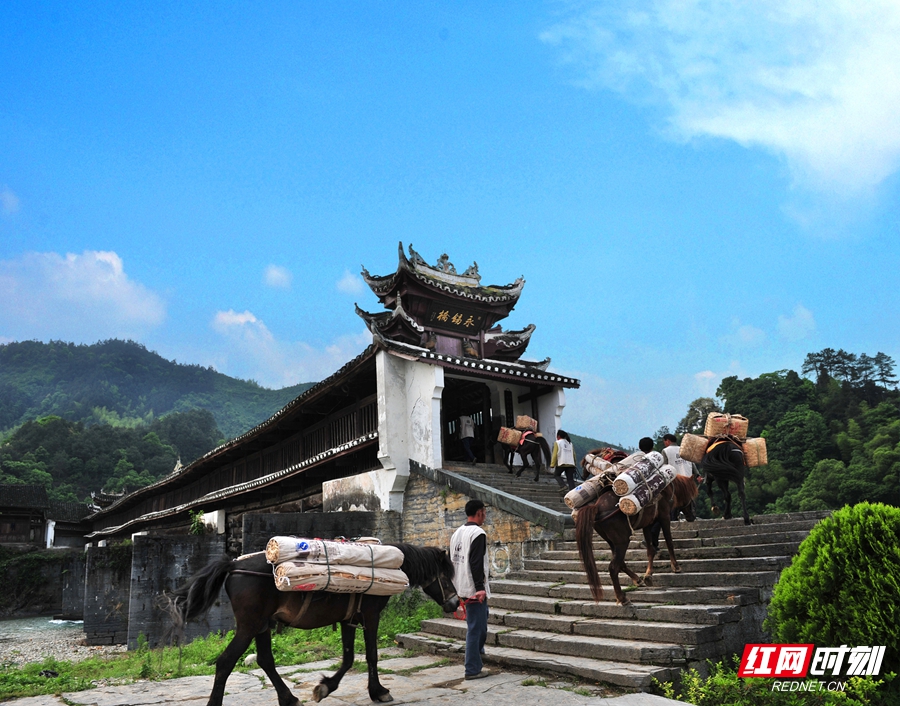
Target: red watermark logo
x,y
796,661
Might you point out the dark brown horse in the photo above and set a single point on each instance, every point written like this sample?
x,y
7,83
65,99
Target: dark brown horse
x,y
257,604
530,447
724,462
604,517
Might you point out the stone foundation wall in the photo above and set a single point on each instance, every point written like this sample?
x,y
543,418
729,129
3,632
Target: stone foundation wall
x,y
106,594
73,587
162,564
259,528
431,514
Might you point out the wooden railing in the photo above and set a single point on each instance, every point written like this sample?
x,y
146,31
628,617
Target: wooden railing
x,y
335,430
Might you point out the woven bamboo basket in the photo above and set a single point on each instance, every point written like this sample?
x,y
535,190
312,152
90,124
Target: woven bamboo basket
x,y
755,453
716,423
738,426
693,447
526,423
510,437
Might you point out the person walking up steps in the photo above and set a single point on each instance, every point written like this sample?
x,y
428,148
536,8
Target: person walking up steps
x,y
468,552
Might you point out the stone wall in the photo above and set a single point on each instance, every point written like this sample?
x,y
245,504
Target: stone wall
x,y
259,528
432,513
106,594
164,563
73,587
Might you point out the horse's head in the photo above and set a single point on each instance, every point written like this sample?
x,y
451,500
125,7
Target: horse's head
x,y
441,590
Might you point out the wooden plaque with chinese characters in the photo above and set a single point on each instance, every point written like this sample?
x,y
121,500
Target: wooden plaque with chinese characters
x,y
453,318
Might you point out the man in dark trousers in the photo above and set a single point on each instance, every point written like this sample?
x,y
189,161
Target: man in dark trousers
x,y
468,552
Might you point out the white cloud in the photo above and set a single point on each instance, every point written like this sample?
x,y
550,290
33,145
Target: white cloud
x,y
350,283
744,335
278,277
798,326
254,352
9,202
814,83
80,298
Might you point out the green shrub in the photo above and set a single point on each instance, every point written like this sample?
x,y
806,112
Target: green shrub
x,y
843,587
724,686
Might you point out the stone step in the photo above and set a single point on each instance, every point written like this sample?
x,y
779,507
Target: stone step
x,y
704,596
756,579
683,552
607,648
712,596
536,604
635,676
624,628
688,565
728,528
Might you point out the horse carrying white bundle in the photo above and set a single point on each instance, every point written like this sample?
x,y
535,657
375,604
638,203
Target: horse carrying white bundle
x,y
339,578
647,491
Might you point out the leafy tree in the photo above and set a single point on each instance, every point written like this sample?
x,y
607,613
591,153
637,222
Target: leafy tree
x,y
843,587
694,421
764,400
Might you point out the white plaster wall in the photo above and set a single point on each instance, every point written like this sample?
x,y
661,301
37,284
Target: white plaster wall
x,y
550,409
409,427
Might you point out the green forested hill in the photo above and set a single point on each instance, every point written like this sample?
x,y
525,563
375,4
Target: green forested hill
x,y
123,383
833,438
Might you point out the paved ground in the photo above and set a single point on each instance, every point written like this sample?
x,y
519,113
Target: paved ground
x,y
423,679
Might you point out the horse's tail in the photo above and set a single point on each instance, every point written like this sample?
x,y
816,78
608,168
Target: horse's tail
x,y
545,447
197,595
584,537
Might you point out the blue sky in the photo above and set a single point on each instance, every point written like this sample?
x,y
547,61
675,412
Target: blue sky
x,y
691,190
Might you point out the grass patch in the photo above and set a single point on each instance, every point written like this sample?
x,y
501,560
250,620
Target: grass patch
x,y
534,681
404,613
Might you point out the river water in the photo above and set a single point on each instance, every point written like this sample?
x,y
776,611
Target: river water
x,y
34,627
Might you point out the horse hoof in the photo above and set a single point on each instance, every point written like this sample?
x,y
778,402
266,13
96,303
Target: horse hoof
x,y
748,522
320,692
676,569
647,581
384,698
623,602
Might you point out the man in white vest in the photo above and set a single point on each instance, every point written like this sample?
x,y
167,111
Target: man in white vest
x,y
468,552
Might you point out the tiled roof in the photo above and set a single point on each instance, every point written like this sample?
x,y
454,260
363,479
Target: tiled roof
x,y
68,511
24,496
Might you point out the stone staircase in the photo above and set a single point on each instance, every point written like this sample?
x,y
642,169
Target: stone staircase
x,y
544,617
545,492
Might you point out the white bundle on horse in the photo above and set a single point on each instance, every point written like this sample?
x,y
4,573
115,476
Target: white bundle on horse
x,y
339,578
648,491
320,551
583,494
638,474
595,464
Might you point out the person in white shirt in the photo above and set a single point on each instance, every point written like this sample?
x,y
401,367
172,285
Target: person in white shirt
x,y
563,460
468,552
672,452
467,436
